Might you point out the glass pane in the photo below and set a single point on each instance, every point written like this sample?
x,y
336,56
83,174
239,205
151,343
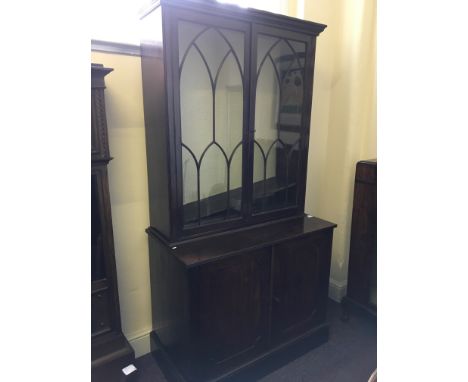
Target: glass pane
x,y
235,180
213,183
196,104
190,191
211,103
278,122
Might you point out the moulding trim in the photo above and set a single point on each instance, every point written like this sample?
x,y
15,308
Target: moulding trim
x,y
141,344
115,47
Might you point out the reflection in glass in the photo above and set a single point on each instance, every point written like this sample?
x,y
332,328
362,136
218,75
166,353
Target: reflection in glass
x,y
278,122
211,112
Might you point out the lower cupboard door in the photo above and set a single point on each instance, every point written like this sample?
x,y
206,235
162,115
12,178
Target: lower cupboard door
x,y
230,308
301,270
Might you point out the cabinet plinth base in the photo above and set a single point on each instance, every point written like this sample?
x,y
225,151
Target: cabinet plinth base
x,y
252,370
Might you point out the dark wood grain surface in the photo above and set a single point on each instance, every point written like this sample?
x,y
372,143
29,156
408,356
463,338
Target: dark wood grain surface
x,y
301,269
230,310
200,251
363,246
223,303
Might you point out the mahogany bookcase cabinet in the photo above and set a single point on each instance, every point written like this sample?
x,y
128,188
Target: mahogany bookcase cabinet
x,y
238,272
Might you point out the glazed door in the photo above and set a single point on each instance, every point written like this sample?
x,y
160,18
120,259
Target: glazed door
x,y
280,117
211,110
230,309
301,270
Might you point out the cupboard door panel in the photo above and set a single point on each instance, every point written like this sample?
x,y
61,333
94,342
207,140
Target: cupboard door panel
x,y
230,306
301,270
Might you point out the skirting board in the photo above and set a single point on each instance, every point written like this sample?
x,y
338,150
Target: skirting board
x,y
115,47
141,344
337,290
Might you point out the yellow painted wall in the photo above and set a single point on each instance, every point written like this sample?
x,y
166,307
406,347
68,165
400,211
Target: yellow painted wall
x,y
343,124
128,188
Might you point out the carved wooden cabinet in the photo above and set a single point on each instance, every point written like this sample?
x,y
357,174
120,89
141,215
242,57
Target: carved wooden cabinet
x,y
110,351
238,272
300,275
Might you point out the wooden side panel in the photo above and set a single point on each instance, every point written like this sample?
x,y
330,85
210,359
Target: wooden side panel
x,y
301,269
230,309
156,122
169,296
